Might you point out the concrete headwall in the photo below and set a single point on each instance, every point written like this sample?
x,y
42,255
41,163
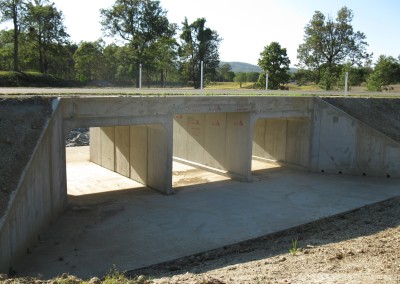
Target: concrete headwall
x,y
343,144
39,198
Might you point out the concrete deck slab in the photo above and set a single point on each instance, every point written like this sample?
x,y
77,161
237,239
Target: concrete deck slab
x,y
136,227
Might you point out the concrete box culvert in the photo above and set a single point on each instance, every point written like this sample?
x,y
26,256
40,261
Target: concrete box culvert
x,y
41,193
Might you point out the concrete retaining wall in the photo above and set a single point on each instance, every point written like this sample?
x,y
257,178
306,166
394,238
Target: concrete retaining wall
x,y
343,144
39,198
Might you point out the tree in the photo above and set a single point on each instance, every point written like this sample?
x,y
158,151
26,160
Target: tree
x,y
90,61
199,44
6,50
165,57
386,72
13,10
225,73
46,28
241,78
328,43
275,61
252,76
139,23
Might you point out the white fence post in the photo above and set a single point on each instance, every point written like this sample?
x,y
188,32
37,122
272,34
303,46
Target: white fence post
x,y
266,81
140,75
201,75
345,83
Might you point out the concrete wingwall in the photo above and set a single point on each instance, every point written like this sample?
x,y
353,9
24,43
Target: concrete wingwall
x,y
39,198
342,144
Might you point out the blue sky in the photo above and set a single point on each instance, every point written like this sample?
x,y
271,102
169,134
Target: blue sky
x,y
247,26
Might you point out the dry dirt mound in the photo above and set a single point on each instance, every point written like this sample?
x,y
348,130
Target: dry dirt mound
x,y
21,123
381,114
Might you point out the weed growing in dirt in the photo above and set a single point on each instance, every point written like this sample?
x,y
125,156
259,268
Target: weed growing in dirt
x,y
294,248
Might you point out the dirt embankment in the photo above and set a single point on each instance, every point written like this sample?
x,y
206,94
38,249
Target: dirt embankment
x,y
381,114
21,123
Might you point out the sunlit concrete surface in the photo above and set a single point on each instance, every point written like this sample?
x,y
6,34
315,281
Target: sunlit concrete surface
x,y
128,226
85,177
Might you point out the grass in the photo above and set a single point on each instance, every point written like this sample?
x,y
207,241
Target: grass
x,y
32,79
294,249
228,86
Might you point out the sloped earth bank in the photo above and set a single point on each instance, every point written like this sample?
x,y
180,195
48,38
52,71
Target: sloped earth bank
x,y
21,123
381,114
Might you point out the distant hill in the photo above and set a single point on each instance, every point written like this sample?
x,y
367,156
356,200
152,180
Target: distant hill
x,y
247,67
242,67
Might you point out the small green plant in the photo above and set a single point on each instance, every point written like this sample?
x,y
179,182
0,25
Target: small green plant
x,y
294,249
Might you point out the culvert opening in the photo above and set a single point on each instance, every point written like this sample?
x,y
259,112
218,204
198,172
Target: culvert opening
x,y
86,177
120,161
280,143
199,149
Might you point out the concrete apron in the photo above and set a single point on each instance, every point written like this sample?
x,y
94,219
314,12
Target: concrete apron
x,y
136,227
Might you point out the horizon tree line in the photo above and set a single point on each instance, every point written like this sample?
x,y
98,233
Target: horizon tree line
x,y
38,41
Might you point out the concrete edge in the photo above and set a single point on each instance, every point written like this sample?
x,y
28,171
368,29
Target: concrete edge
x,y
54,106
13,196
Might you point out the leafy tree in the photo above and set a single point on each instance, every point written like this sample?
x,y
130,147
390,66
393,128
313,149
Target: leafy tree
x,y
357,75
252,76
225,73
199,43
275,61
90,61
46,29
386,72
241,78
329,43
13,10
165,58
120,64
140,23
61,61
303,76
6,50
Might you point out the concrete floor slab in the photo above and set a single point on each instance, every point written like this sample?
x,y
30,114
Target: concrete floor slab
x,y
135,227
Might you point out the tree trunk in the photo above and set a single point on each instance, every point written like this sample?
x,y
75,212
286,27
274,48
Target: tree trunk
x,y
162,79
41,58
